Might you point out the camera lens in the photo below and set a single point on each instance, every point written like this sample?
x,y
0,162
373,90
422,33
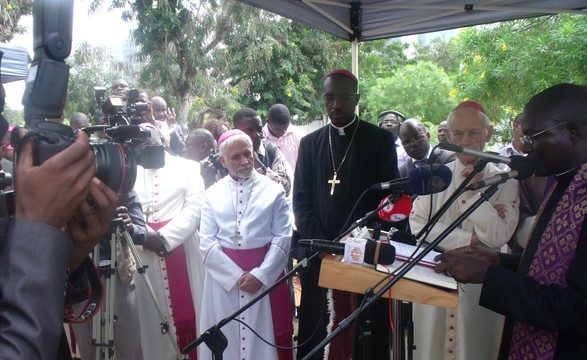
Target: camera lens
x,y
115,166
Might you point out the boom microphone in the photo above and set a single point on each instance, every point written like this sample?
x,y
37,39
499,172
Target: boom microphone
x,y
522,173
395,212
375,252
422,180
515,162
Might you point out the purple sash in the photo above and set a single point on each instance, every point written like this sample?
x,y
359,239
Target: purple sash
x,y
550,264
279,298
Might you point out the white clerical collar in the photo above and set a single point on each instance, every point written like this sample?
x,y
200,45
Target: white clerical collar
x,y
341,130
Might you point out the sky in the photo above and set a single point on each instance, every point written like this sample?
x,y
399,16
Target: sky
x,y
99,29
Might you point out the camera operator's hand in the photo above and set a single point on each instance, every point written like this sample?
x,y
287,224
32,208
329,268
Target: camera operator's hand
x,y
51,192
170,116
90,223
126,220
155,243
209,173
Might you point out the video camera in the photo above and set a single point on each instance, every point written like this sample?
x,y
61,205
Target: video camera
x,y
120,110
44,98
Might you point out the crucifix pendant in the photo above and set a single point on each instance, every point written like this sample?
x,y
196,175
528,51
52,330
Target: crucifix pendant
x,y
236,237
334,182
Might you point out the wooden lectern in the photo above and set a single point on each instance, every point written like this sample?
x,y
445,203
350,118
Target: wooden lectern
x,y
355,278
338,275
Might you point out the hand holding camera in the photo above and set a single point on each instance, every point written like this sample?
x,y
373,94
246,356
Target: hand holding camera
x,y
39,197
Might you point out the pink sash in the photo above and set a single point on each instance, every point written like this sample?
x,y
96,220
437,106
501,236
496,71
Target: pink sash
x,y
278,298
180,294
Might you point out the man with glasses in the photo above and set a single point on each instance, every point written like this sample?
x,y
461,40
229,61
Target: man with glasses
x,y
542,293
269,160
469,331
336,163
391,120
416,141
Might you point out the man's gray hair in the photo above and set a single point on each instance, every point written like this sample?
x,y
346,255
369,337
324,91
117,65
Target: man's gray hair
x,y
240,137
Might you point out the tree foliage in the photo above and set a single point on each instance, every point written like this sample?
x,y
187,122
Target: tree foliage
x,y
419,90
279,61
223,55
10,13
503,65
89,67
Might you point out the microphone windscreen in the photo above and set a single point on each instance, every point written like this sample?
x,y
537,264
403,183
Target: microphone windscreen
x,y
524,166
396,212
385,255
402,237
430,179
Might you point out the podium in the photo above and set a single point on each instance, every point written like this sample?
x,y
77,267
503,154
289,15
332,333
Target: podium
x,y
358,279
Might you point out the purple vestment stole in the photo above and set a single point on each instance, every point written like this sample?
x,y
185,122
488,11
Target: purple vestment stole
x,y
550,263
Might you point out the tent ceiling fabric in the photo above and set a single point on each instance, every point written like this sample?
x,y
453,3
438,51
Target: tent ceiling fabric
x,y
15,63
377,19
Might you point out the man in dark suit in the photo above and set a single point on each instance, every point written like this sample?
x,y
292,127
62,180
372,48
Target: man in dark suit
x,y
416,141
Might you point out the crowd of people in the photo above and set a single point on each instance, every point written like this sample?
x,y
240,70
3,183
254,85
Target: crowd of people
x,y
215,227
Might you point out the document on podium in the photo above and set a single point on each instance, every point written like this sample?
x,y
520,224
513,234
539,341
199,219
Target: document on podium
x,y
423,272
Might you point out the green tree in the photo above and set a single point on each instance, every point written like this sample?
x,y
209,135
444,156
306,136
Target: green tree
x,y
89,67
277,60
503,65
10,13
420,90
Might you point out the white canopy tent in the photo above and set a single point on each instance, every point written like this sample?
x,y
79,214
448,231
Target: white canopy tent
x,y
15,63
379,19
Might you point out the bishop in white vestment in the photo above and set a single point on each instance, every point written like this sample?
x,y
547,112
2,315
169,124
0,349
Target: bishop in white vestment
x,y
171,199
245,238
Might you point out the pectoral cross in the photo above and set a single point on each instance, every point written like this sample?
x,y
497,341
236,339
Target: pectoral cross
x,y
334,182
236,237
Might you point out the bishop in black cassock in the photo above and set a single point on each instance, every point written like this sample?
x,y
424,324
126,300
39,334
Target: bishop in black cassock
x,y
369,160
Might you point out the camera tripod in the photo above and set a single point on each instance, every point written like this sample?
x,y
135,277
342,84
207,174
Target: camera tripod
x,y
103,323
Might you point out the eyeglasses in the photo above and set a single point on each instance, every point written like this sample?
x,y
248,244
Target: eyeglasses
x,y
527,139
458,135
413,141
340,97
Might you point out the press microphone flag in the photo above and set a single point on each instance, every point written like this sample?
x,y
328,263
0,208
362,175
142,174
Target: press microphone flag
x,y
422,180
395,212
374,252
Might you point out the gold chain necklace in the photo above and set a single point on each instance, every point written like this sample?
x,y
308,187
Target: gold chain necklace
x,y
334,180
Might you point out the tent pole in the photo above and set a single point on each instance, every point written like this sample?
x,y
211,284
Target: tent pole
x,y
355,63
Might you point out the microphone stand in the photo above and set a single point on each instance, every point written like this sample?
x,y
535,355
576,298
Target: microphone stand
x,y
215,339
371,298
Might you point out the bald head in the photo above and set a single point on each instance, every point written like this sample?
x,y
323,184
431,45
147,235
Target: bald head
x,y
159,108
198,144
415,139
78,120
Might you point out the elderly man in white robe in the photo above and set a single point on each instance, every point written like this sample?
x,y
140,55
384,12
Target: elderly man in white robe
x,y
171,199
469,331
245,238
